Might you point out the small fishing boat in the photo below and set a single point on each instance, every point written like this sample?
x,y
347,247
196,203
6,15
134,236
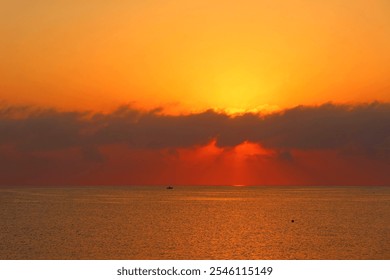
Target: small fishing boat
x,y
169,188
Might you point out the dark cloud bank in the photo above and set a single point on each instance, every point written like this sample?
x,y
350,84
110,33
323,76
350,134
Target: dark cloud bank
x,y
358,130
328,126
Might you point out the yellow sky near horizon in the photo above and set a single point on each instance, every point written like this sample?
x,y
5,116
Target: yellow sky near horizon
x,y
193,55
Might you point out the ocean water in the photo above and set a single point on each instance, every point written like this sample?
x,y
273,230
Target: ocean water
x,y
195,223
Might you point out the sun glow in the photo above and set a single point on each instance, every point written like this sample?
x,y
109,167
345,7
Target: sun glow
x,y
235,88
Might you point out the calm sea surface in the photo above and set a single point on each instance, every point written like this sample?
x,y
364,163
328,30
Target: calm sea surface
x,y
195,223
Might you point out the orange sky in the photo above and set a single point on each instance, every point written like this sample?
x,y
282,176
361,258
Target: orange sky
x,y
193,55
60,59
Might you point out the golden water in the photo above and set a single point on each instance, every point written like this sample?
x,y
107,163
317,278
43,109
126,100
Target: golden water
x,y
195,223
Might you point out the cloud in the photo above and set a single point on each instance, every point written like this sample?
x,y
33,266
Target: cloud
x,y
330,126
45,145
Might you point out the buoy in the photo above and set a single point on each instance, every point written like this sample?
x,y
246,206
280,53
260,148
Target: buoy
x,y
292,221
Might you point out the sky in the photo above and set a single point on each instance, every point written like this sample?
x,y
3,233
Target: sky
x,y
200,92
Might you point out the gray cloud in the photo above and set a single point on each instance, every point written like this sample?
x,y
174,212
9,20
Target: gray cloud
x,y
363,129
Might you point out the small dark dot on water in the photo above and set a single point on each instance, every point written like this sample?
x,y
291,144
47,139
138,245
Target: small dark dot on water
x,y
292,221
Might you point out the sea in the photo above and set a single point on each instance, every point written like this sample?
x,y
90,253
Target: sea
x,y
194,223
